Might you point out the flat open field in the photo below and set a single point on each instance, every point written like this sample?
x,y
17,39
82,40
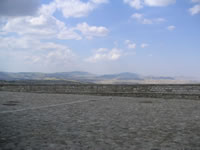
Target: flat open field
x,y
30,121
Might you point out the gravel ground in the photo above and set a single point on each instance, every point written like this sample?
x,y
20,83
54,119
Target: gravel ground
x,y
30,121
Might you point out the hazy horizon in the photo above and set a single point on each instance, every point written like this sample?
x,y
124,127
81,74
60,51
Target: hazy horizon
x,y
99,74
147,37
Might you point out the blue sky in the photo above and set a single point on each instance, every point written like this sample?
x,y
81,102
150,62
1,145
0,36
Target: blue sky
x,y
149,37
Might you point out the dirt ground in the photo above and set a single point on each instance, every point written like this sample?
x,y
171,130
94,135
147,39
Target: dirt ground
x,y
30,121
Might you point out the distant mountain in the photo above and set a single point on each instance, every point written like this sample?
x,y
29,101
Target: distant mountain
x,y
5,76
159,78
70,74
37,77
76,75
85,77
122,76
21,76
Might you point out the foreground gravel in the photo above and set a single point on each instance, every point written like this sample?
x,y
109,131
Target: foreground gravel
x,y
30,121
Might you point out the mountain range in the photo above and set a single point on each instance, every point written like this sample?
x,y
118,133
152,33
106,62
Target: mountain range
x,y
85,77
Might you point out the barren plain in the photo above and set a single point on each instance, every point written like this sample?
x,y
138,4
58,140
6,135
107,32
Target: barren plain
x,y
30,121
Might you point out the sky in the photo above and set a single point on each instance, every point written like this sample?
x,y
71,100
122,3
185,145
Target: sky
x,y
149,37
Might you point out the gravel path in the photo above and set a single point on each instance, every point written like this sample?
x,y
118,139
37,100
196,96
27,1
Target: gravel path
x,y
30,121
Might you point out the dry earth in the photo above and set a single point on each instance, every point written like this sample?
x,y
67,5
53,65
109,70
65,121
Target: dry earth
x,y
30,121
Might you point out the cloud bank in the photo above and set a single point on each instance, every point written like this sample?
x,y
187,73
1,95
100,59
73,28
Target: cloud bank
x,y
138,4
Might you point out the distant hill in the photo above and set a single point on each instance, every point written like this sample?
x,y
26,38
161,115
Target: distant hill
x,y
122,76
76,75
79,77
159,78
63,82
45,76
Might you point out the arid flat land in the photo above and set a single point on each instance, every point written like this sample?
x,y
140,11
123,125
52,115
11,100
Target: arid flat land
x,y
30,121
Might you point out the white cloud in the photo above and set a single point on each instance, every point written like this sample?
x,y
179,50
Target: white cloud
x,y
77,8
68,34
137,16
71,8
138,4
92,31
28,44
140,18
9,43
171,28
159,20
33,51
60,58
101,50
99,1
28,54
195,9
46,26
144,45
41,26
147,21
74,8
48,9
29,33
159,2
130,44
113,54
196,1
